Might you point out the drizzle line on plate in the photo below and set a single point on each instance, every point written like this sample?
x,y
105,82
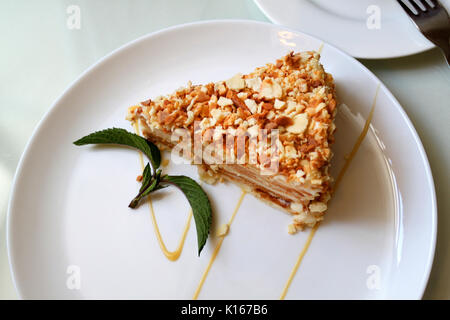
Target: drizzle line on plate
x,y
217,248
299,261
336,184
357,143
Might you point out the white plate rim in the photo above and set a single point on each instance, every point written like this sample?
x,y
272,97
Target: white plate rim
x,y
428,47
40,126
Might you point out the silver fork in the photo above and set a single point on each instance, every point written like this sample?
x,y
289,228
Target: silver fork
x,y
431,18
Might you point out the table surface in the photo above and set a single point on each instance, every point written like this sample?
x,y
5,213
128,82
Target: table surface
x,y
40,57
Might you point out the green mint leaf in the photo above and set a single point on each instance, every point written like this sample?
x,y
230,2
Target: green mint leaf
x,y
123,137
146,178
201,207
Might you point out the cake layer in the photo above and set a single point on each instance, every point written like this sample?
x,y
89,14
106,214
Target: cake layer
x,y
302,218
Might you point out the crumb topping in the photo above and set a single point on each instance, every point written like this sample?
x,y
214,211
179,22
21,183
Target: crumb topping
x,y
295,96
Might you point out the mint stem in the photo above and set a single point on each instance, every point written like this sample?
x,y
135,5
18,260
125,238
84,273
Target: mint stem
x,y
152,185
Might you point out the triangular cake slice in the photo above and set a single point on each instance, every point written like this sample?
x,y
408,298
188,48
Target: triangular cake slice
x,y
294,98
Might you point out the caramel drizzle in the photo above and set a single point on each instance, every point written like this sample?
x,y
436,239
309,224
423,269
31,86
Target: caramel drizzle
x,y
171,255
338,180
357,143
299,261
217,248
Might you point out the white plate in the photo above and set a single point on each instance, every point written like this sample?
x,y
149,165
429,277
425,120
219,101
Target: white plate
x,y
343,23
69,204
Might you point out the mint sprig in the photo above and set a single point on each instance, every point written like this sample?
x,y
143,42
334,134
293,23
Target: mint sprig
x,y
152,178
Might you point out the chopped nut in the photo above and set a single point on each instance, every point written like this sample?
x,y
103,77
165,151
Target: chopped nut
x,y
253,83
292,229
190,118
291,106
224,102
284,121
207,176
320,107
218,114
303,86
270,115
222,89
251,104
242,95
267,106
270,89
213,99
299,125
296,207
290,152
300,173
236,100
317,206
223,230
252,121
202,97
236,83
332,105
279,104
253,131
271,125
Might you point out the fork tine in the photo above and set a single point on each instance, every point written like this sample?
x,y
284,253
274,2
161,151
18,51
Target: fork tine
x,y
407,8
430,4
418,4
